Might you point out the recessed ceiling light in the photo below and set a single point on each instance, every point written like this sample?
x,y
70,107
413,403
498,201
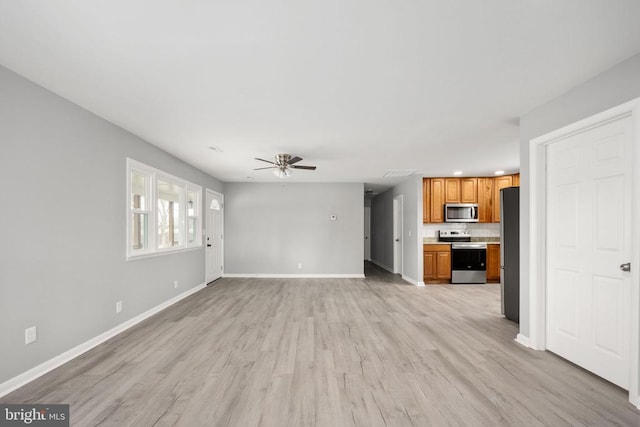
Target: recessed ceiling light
x,y
499,172
216,149
456,173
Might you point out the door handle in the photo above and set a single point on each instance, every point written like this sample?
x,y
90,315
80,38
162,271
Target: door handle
x,y
397,240
208,245
626,266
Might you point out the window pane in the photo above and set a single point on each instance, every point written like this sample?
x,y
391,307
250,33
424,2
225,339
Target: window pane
x,y
139,231
138,191
193,222
192,203
170,198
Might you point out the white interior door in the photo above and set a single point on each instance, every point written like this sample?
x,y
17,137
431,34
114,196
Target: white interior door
x,y
214,237
588,239
367,233
397,234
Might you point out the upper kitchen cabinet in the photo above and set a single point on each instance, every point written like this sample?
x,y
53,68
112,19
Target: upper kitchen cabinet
x,y
426,200
485,191
498,184
485,199
461,190
437,197
468,190
452,190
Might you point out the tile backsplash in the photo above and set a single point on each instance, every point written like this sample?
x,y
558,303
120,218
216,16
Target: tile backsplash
x,y
477,230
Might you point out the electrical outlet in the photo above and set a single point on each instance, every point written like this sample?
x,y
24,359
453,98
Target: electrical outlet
x,y
30,335
175,284
299,266
118,306
333,217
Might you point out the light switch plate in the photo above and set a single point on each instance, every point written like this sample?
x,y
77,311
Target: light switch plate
x,y
30,335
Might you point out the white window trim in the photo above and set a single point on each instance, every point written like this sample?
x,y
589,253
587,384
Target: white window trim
x,y
151,210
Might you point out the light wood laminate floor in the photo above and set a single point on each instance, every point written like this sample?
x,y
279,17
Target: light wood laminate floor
x,y
328,352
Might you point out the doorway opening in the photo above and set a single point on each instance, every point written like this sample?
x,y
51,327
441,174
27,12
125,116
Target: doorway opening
x,y
398,203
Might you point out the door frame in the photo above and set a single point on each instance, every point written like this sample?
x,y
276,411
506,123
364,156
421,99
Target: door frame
x,y
206,228
537,233
398,224
367,233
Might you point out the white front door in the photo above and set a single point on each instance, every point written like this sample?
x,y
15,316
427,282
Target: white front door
x,y
214,237
588,239
397,234
367,232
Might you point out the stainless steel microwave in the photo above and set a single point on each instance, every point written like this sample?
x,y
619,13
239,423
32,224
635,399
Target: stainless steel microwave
x,y
461,212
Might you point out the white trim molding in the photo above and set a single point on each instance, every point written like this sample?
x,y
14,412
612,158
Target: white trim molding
x,y
524,341
537,232
57,361
413,282
382,266
294,276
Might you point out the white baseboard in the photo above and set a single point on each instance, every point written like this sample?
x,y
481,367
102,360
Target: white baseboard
x,y
51,364
295,276
523,340
383,266
410,280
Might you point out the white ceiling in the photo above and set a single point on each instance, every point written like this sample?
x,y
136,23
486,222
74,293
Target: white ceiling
x,y
356,87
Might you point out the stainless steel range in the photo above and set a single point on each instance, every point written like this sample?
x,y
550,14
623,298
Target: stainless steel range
x,y
468,260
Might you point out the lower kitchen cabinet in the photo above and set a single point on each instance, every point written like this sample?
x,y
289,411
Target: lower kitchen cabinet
x,y
437,264
493,263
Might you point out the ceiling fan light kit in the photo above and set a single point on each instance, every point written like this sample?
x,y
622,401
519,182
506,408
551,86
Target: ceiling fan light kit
x,y
282,173
283,165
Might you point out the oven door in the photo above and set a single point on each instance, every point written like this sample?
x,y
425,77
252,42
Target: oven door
x,y
468,263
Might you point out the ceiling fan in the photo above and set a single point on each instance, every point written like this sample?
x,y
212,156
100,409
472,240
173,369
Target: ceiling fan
x,y
283,165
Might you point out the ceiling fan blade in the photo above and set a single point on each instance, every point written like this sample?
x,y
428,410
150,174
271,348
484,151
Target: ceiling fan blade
x,y
268,167
263,160
311,168
296,159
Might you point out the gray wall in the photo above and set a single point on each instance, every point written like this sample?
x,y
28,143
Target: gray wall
x,y
609,89
382,227
270,228
63,226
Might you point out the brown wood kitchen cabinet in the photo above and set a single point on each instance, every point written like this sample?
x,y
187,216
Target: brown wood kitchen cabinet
x,y
468,190
437,263
426,200
436,212
485,191
493,263
498,184
452,190
485,199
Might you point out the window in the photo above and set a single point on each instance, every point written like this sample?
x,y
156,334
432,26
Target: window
x,y
164,212
193,215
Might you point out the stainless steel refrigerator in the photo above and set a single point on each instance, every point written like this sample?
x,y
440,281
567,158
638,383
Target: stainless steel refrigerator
x,y
510,252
